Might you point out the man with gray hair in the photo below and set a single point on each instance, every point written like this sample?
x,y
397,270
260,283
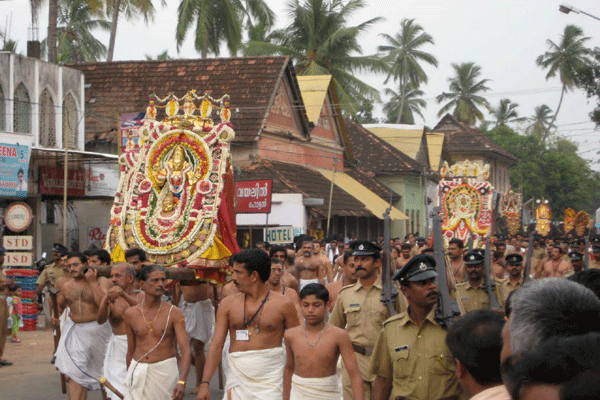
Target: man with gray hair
x,y
545,308
112,308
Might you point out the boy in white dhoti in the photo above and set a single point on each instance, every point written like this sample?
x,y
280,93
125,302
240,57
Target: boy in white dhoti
x,y
313,351
153,329
256,319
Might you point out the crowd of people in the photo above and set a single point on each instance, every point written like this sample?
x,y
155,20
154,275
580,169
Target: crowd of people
x,y
306,321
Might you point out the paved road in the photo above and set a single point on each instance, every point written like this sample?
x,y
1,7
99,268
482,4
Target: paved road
x,y
32,377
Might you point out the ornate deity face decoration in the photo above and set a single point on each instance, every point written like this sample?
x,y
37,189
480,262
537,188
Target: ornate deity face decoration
x,y
178,158
168,204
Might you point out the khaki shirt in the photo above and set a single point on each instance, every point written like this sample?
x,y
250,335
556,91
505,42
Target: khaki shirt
x,y
504,287
51,273
361,313
416,359
472,298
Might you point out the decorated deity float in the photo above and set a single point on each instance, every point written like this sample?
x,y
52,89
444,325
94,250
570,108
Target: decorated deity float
x,y
510,206
175,196
465,196
543,214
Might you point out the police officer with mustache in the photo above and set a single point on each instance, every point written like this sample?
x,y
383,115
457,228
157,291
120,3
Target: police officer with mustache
x,y
360,311
410,359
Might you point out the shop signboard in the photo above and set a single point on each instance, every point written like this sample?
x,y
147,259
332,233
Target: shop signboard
x,y
280,235
17,242
253,196
52,181
14,165
101,179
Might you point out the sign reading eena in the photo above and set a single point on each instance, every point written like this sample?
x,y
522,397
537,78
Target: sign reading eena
x,y
253,196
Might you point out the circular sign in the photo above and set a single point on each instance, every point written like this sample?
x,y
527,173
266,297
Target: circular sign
x,y
18,216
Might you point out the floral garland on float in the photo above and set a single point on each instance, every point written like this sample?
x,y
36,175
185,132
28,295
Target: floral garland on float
x,y
175,196
465,197
569,220
543,213
582,221
510,206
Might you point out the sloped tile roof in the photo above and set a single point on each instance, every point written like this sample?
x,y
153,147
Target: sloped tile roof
x,y
462,138
293,178
124,87
375,154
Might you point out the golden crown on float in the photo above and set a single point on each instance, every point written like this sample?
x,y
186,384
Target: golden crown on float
x,y
194,117
465,169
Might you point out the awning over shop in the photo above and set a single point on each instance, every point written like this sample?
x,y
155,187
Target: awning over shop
x,y
372,202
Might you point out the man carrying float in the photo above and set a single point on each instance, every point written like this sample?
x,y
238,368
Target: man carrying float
x,y
175,202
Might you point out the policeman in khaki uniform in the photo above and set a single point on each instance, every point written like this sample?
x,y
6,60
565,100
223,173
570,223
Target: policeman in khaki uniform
x,y
506,286
50,274
472,293
576,259
411,360
360,311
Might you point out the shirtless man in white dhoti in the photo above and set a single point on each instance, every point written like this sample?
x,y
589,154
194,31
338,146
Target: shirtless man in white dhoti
x,y
313,350
154,328
82,347
256,319
199,314
275,284
112,308
310,267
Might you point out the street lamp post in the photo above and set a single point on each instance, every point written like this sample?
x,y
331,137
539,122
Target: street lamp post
x,y
566,8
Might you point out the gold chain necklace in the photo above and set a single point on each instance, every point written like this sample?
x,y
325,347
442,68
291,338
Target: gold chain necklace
x,y
312,352
154,320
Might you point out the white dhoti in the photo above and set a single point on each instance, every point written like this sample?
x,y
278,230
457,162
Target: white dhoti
x,y
115,364
255,375
81,350
304,282
326,388
151,381
199,319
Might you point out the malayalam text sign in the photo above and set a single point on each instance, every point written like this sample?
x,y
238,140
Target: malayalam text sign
x,y
253,196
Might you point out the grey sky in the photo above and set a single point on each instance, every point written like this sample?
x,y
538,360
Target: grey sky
x,y
503,37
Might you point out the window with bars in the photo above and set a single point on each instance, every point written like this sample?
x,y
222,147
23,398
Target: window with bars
x,y
70,122
47,120
2,111
22,110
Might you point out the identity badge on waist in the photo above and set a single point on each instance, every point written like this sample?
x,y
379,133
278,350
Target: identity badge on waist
x,y
242,334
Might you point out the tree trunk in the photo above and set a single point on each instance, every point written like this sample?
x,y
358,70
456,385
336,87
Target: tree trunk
x,y
52,25
402,101
547,132
113,30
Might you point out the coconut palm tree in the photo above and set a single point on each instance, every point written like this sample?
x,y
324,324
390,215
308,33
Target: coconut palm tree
x,y
411,105
76,43
404,57
131,9
160,57
464,98
321,43
565,58
541,122
506,112
219,20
